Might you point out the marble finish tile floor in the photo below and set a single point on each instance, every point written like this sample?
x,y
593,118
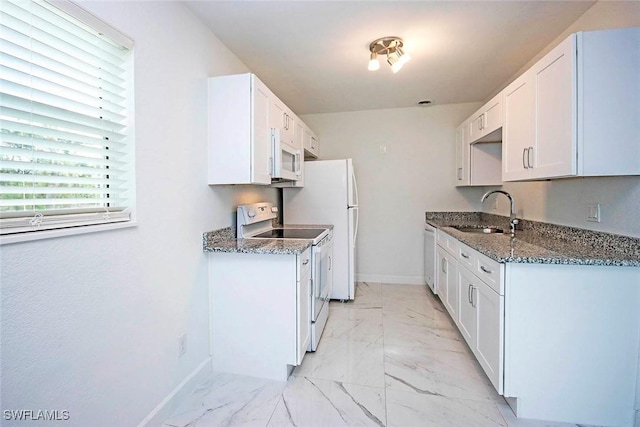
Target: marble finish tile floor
x,y
392,357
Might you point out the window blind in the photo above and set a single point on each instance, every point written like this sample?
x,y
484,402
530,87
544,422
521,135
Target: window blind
x,y
66,148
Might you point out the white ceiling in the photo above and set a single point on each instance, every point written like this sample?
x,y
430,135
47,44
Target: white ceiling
x,y
314,54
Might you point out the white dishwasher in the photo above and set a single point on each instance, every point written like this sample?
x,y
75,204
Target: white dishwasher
x,y
430,257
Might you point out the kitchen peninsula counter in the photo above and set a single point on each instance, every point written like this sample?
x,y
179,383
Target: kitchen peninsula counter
x,y
538,242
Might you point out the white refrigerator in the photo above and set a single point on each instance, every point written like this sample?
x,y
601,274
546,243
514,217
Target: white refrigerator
x,y
330,196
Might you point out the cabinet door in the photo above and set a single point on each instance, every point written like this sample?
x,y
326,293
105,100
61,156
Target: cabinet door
x,y
467,318
441,274
518,129
453,302
490,331
462,156
303,314
281,118
447,281
492,117
261,160
310,144
554,153
475,128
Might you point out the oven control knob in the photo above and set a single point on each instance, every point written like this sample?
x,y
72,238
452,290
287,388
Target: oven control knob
x,y
251,213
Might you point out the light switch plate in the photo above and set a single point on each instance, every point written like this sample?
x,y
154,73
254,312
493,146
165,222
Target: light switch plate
x,y
593,212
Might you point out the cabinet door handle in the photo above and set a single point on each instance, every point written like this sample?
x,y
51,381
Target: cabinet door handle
x,y
305,262
463,255
443,265
524,156
486,270
530,150
330,263
459,174
473,301
469,295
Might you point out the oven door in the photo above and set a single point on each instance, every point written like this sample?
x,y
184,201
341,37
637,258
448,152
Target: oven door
x,y
322,275
286,158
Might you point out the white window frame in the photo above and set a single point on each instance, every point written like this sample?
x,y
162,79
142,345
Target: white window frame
x,y
47,224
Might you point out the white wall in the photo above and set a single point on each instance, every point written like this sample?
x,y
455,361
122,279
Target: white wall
x,y
90,323
565,201
416,174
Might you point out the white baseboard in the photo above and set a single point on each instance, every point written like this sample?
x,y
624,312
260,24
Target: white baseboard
x,y
169,404
383,278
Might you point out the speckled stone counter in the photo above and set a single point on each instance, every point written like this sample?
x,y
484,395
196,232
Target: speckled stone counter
x,y
538,242
224,240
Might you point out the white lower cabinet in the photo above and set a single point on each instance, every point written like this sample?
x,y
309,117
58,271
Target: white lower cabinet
x,y
489,346
447,281
481,323
303,306
560,340
260,312
468,318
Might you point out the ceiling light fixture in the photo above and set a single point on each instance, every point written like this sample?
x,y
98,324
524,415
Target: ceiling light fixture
x,y
390,46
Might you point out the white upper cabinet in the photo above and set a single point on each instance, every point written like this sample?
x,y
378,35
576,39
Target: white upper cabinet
x,y
462,156
518,128
242,113
311,144
486,121
575,112
479,146
281,117
239,131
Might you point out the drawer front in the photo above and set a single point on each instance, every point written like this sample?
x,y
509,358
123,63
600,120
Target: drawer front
x,y
467,256
448,243
304,263
490,272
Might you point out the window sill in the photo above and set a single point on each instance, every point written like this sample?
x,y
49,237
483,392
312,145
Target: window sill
x,y
63,232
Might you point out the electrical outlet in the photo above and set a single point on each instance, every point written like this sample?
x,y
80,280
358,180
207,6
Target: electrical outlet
x,y
593,212
182,345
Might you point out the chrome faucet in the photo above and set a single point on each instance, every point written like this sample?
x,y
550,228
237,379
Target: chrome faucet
x,y
513,221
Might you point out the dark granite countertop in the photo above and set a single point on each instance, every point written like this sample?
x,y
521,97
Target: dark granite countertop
x,y
540,243
224,240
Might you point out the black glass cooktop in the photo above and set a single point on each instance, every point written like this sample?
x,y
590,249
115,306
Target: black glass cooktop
x,y
291,233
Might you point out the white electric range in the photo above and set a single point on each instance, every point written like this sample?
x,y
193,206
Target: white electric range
x,y
256,221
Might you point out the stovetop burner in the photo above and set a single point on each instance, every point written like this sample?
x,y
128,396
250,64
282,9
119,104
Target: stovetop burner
x,y
290,233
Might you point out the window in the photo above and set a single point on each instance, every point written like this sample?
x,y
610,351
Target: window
x,y
66,147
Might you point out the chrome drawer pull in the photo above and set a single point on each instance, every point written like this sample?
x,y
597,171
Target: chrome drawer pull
x,y
485,269
305,262
463,255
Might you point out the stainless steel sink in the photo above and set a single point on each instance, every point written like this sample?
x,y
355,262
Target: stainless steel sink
x,y
479,230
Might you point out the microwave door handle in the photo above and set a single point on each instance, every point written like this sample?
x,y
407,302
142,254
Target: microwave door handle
x,y
277,153
298,163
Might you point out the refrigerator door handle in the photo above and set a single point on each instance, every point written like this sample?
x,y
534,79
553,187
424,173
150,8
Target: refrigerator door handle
x,y
355,225
354,190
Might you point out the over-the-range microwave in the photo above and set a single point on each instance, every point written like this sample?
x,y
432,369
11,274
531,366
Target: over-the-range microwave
x,y
286,159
